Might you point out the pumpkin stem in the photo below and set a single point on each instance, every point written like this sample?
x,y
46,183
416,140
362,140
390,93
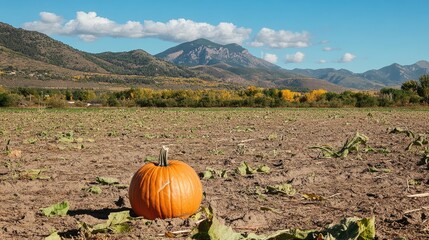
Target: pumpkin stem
x,y
163,157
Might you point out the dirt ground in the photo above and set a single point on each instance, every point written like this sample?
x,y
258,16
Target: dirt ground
x,y
74,146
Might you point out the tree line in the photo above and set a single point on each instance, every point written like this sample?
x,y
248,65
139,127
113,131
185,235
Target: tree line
x,y
412,92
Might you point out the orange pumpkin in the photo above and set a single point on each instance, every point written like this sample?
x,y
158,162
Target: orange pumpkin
x,y
166,189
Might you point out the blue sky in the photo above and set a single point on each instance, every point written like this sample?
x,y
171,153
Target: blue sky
x,y
355,35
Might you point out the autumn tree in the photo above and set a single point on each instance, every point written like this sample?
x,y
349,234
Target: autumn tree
x,y
315,95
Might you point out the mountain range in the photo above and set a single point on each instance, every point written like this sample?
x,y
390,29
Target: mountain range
x,y
27,56
390,76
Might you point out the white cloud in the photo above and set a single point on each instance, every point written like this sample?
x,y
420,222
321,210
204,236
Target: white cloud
x,y
347,57
48,17
49,23
322,61
281,39
179,30
88,26
272,58
295,58
330,49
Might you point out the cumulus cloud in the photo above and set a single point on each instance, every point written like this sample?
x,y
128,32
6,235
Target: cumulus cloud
x,y
88,26
281,39
347,57
322,61
295,58
49,23
179,30
272,58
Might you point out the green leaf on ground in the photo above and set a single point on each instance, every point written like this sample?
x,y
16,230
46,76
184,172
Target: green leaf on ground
x,y
33,174
419,141
312,197
245,169
93,189
351,144
349,228
397,130
32,140
210,173
117,222
263,169
374,169
121,186
107,180
286,189
65,137
59,209
53,236
212,229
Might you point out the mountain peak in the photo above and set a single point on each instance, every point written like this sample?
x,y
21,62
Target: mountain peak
x,y
205,52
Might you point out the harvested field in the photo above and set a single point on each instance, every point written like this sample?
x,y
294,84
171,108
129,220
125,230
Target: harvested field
x,y
48,156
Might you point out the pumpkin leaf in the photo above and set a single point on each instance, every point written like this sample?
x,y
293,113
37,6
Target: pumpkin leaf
x,y
419,141
117,222
197,216
351,144
397,130
244,169
53,236
59,209
286,189
212,229
211,173
312,197
118,218
93,189
33,174
107,180
263,169
374,169
32,140
121,186
349,228
207,174
65,137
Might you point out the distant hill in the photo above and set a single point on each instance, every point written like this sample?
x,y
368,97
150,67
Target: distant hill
x,y
235,64
389,76
340,77
396,74
139,62
41,47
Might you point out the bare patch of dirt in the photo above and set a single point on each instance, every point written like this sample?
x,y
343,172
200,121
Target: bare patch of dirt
x,y
74,146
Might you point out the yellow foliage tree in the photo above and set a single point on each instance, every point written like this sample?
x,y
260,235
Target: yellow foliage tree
x,y
315,95
290,96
